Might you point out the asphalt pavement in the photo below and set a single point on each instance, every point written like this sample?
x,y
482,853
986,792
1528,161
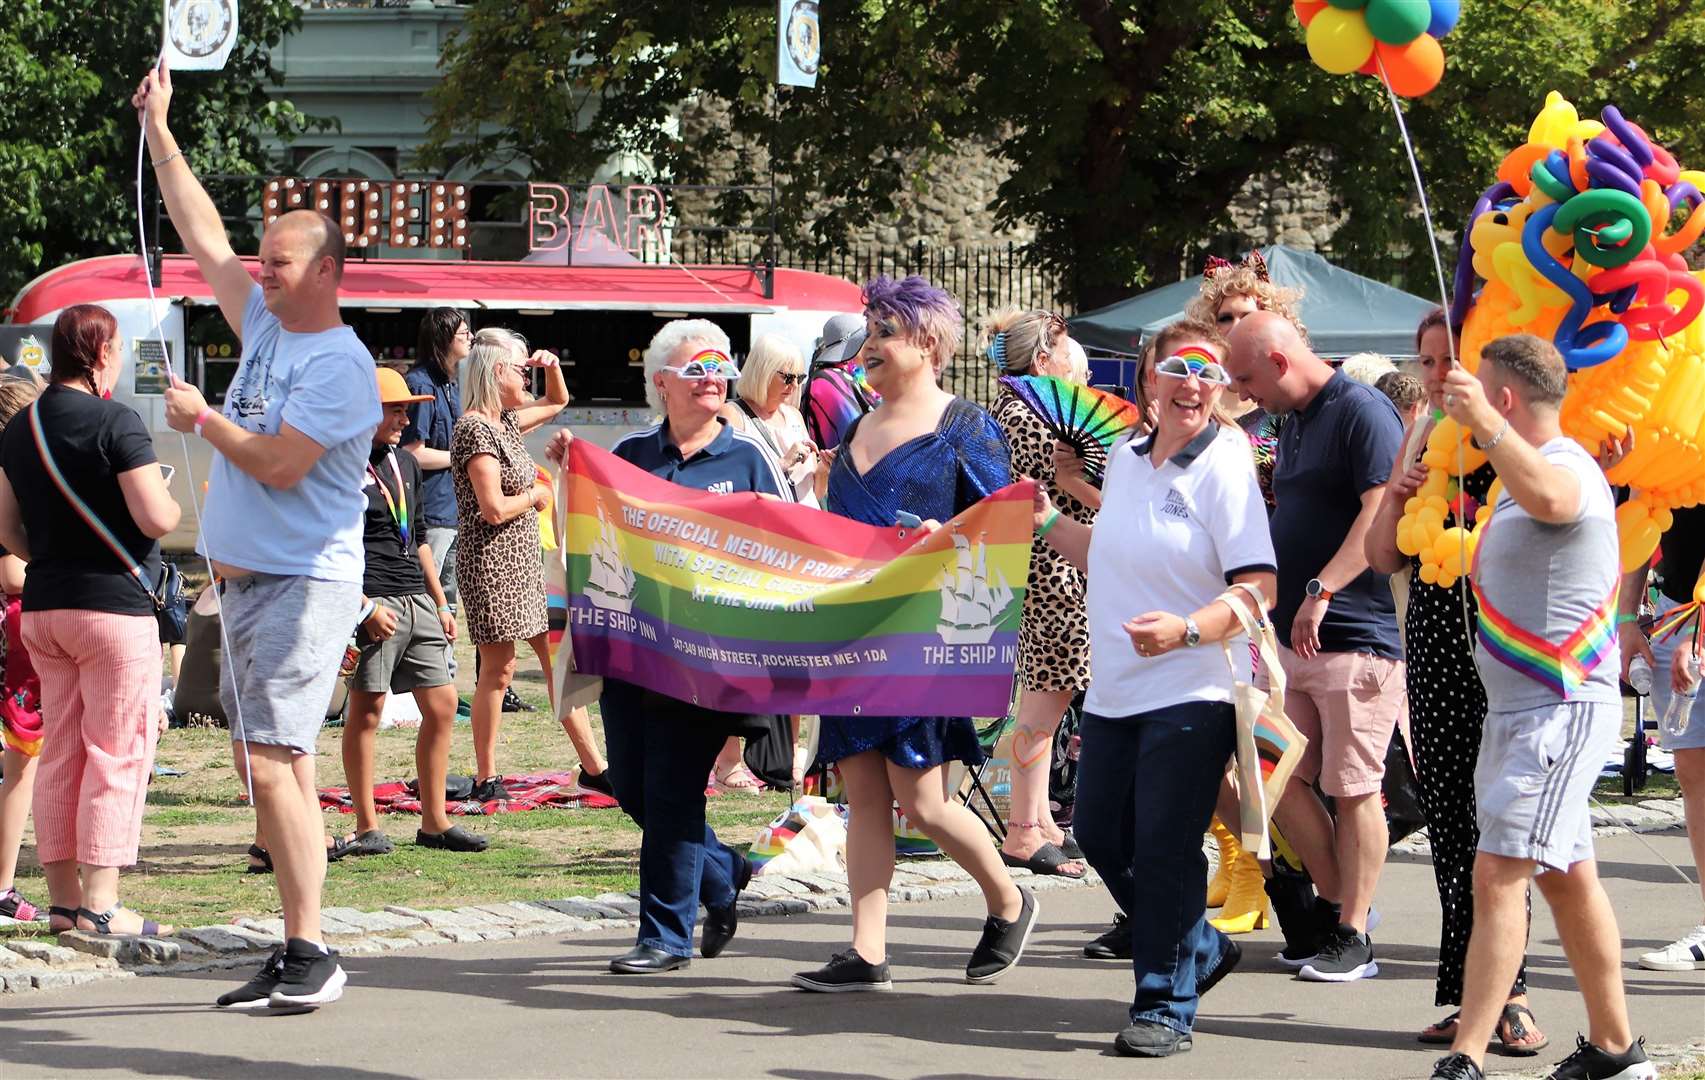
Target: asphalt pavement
x,y
545,1007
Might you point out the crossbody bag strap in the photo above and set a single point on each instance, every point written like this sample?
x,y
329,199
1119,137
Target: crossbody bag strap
x,y
95,524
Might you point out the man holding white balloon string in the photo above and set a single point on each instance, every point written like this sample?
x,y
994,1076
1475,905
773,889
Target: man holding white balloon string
x,y
282,526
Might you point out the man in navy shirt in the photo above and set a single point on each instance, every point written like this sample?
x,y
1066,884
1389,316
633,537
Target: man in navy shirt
x,y
1336,623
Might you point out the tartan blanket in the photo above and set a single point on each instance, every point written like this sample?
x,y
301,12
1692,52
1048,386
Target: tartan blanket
x,y
543,791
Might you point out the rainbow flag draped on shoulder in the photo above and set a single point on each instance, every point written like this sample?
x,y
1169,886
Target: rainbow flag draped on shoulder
x,y
752,605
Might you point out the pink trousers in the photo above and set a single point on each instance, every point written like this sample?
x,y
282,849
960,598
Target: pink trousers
x,y
100,687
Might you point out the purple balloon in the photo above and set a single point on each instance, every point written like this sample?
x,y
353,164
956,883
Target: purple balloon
x,y
1683,192
1631,139
1445,14
1610,176
1603,149
1462,285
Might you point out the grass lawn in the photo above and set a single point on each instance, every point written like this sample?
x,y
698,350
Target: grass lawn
x,y
196,830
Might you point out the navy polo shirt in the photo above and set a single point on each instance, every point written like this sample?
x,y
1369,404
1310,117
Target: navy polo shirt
x,y
430,423
733,461
1331,451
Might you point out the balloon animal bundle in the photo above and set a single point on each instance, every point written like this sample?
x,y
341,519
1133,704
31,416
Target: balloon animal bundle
x,y
1580,242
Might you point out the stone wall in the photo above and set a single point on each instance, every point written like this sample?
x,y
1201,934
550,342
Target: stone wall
x,y
1291,206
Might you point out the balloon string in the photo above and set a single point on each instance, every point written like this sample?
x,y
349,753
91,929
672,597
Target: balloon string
x,y
189,468
1450,331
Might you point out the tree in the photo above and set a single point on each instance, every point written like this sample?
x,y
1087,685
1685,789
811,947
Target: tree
x,y
68,135
1131,126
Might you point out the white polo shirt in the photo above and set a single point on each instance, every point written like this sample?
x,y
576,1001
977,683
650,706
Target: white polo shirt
x,y
1170,539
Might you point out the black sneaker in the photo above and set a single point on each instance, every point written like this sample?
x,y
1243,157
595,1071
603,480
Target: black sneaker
x,y
311,976
512,702
1151,1038
490,789
846,972
1345,956
598,784
1115,944
257,992
1002,943
1589,1062
1457,1067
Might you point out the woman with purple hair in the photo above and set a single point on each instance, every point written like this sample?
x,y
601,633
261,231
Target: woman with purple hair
x,y
928,454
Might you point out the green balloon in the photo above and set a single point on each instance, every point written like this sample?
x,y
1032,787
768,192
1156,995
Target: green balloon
x,y
1610,227
1349,5
1398,22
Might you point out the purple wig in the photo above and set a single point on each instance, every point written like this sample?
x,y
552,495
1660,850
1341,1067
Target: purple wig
x,y
920,308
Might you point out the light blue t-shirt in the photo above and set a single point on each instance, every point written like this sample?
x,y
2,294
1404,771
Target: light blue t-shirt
x,y
322,385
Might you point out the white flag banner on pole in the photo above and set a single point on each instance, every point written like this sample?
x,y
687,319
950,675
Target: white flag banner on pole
x,y
199,34
799,42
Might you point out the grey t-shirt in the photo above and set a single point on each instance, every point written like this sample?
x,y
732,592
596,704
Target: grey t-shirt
x,y
1548,597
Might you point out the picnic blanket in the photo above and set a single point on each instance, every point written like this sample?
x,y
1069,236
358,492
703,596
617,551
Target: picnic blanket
x,y
543,791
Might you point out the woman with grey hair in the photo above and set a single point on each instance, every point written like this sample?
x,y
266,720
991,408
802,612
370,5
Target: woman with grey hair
x,y
498,499
763,403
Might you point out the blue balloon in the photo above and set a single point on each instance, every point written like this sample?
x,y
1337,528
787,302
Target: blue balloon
x,y
1445,14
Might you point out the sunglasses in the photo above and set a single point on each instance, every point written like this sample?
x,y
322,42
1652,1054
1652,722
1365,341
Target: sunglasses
x,y
709,364
788,378
1193,361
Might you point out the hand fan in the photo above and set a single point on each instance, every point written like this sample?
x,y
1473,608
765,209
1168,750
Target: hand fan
x,y
1082,417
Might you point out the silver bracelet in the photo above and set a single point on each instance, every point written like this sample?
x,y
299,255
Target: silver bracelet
x,y
178,153
1496,439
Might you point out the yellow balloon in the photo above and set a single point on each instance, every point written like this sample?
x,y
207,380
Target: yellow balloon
x,y
1339,40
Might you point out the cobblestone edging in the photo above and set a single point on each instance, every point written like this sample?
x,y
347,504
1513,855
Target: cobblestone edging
x,y
81,957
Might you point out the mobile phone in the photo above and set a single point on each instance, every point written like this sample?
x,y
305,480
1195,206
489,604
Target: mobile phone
x,y
908,521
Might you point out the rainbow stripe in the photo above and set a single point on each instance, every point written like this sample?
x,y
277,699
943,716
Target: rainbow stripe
x,y
1195,355
1560,668
746,604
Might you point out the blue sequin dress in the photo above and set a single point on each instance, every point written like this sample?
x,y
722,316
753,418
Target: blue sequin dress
x,y
932,476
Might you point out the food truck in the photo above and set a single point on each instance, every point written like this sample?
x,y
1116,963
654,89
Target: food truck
x,y
594,303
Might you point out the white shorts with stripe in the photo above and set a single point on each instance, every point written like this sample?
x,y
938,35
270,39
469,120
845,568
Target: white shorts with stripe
x,y
1535,776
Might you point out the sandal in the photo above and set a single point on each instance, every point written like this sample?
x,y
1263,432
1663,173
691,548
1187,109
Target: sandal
x,y
1069,846
339,847
455,838
103,923
1442,1033
371,842
265,857
69,914
739,779
1510,1022
1047,860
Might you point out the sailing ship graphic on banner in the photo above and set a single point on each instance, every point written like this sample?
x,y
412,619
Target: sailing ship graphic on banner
x,y
971,604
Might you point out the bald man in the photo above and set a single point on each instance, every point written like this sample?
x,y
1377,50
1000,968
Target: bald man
x,y
282,527
1336,623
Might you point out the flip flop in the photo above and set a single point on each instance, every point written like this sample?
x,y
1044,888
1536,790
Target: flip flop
x,y
1047,860
265,857
1442,1033
1512,1019
739,779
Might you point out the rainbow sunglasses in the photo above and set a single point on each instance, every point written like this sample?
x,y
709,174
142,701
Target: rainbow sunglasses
x,y
1197,361
708,364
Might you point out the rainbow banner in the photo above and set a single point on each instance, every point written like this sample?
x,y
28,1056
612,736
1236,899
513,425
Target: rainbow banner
x,y
747,604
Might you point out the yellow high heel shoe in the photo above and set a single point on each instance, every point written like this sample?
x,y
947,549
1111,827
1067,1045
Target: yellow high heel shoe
x,y
1246,903
1219,886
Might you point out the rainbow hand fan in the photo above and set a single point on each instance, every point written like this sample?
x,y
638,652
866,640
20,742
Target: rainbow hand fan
x,y
1082,417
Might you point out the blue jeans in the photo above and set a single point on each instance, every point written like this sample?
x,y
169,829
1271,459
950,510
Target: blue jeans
x,y
1146,788
659,760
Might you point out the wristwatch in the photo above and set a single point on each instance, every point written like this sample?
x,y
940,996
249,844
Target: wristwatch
x,y
1192,632
1316,589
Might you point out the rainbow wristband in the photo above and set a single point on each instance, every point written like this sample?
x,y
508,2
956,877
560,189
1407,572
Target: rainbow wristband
x,y
1048,522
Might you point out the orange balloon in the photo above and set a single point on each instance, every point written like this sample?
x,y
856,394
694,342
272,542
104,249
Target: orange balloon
x,y
1412,70
1306,10
1517,167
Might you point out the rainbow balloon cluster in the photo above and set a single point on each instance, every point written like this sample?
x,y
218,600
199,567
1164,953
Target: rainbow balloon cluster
x,y
1396,39
1580,241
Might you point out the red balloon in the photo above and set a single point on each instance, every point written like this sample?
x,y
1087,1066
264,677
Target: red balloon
x,y
1306,10
1412,70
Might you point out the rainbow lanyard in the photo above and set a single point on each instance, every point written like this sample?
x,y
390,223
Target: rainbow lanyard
x,y
399,505
1560,668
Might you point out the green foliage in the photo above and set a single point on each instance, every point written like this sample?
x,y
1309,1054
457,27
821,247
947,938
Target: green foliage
x,y
1131,125
68,134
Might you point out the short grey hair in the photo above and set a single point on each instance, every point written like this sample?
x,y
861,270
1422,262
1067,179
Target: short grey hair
x,y
493,347
668,339
771,355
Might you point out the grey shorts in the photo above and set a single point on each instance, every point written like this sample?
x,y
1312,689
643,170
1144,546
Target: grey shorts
x,y
416,657
1534,776
286,637
1663,652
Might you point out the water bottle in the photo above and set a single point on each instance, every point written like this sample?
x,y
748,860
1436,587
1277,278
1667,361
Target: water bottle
x,y
1640,676
1680,709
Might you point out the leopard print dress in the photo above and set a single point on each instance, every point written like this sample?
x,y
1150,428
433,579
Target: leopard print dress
x,y
499,570
1053,633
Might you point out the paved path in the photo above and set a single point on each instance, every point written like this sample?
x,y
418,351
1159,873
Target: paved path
x,y
546,1007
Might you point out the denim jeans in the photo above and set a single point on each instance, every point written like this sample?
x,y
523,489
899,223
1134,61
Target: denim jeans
x,y
1146,788
442,540
659,760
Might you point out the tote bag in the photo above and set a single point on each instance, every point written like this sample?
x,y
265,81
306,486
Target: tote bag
x,y
1268,745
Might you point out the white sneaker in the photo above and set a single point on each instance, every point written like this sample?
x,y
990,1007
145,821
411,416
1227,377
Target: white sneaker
x,y
1685,954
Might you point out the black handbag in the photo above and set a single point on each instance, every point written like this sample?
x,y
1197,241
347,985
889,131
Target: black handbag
x,y
171,603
